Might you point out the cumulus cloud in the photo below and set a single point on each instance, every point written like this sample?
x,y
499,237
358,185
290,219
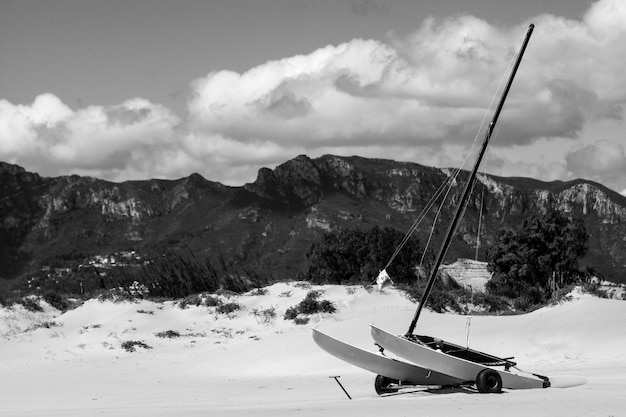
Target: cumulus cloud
x,y
603,159
94,140
434,85
420,97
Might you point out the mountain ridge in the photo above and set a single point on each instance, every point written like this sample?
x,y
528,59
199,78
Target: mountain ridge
x,y
270,223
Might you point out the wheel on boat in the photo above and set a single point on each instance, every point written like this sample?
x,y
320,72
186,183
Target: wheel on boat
x,y
489,381
382,384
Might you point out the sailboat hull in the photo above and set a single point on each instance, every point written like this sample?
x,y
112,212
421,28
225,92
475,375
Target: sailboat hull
x,y
381,365
457,367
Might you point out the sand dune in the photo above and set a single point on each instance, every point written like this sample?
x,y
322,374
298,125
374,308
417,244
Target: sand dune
x,y
73,364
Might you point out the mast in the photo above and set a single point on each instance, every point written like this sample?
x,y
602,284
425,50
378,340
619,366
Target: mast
x,y
468,186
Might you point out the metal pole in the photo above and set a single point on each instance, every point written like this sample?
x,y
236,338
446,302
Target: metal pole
x,y
336,378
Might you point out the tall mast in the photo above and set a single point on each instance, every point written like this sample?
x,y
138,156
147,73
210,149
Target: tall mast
x,y
468,186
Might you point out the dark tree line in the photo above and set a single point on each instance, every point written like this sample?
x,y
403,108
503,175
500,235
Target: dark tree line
x,y
350,256
529,263
538,258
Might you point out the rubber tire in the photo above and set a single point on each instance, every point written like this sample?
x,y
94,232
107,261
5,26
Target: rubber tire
x,y
489,381
381,384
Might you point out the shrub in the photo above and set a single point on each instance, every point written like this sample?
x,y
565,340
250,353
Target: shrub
x,y
56,300
259,291
212,301
310,305
129,345
301,320
493,303
445,294
44,325
264,316
190,300
115,295
291,313
228,308
441,300
170,334
524,303
595,289
30,304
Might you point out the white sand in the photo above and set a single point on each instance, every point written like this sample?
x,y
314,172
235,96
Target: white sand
x,y
238,365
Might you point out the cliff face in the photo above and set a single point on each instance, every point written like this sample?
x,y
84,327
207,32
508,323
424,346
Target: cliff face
x,y
270,224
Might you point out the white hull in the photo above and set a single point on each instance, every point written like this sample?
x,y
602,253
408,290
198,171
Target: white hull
x,y
463,369
381,365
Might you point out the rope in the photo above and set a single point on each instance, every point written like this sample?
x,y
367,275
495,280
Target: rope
x,y
480,218
469,317
445,185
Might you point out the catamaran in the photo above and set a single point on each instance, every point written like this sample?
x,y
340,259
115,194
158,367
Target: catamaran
x,y
433,361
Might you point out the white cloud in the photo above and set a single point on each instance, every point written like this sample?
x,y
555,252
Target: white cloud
x,y
603,159
95,140
431,86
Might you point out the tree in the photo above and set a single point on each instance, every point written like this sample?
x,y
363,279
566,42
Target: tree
x,y
538,258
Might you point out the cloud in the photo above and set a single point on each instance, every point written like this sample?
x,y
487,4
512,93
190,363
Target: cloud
x,y
420,97
94,140
434,85
603,159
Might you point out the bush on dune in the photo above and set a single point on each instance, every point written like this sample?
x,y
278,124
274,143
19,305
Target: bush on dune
x,y
309,305
131,345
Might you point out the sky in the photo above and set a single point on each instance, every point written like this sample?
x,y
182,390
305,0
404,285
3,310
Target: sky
x,y
125,90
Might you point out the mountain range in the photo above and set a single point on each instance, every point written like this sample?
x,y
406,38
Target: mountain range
x,y
270,224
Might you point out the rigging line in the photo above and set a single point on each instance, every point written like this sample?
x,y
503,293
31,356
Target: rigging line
x,y
432,229
447,184
480,218
479,134
450,179
419,219
450,185
494,134
486,164
481,131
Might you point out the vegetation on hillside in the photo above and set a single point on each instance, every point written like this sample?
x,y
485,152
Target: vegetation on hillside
x,y
176,275
173,275
356,257
530,265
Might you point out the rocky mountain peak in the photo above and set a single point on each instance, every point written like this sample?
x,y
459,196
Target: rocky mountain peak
x,y
295,181
10,169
